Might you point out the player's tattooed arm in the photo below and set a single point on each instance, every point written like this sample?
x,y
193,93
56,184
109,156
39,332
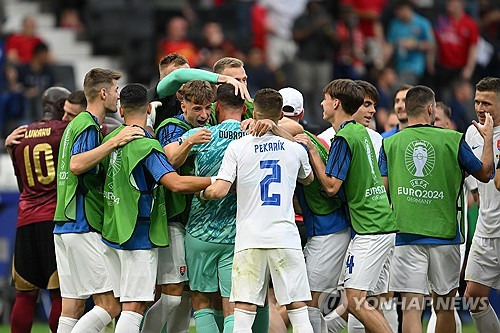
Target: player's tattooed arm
x,y
83,162
330,184
177,153
486,131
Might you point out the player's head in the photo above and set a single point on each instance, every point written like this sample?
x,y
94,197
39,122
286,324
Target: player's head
x,y
341,94
392,121
231,67
170,63
74,104
487,99
101,87
420,102
196,103
52,102
403,9
268,104
399,103
134,101
293,103
443,115
228,102
366,111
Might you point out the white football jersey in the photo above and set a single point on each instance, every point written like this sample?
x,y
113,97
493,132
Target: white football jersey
x,y
266,170
375,137
488,222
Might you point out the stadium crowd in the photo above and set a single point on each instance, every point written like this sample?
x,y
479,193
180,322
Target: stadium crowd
x,y
274,200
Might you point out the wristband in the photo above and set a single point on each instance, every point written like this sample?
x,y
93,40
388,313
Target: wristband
x,y
202,197
213,179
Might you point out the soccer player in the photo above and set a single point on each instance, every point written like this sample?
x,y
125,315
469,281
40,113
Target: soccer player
x,y
352,172
327,226
134,211
483,272
79,211
267,241
425,188
74,104
32,149
399,109
196,104
211,226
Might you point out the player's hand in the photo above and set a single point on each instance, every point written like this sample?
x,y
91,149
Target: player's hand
x,y
128,134
201,136
247,124
261,127
305,140
15,137
239,88
485,130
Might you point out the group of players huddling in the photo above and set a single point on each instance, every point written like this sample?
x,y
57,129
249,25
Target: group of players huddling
x,y
381,216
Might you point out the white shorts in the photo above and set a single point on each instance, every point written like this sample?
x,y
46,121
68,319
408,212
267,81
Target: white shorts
x,y
81,265
133,273
368,262
413,266
172,259
483,264
251,271
325,259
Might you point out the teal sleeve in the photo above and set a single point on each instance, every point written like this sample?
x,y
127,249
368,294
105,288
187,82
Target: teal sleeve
x,y
169,85
187,135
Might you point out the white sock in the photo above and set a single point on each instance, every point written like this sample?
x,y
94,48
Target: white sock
x,y
181,317
486,321
243,321
391,315
299,319
93,321
354,325
334,322
159,314
66,324
316,318
129,322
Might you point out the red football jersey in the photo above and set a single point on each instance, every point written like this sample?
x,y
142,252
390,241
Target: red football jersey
x,y
35,165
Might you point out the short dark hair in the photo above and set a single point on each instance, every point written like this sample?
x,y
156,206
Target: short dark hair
x,y
96,79
226,96
198,92
227,62
173,58
77,97
347,92
417,99
489,84
368,90
133,96
446,109
268,103
40,48
403,3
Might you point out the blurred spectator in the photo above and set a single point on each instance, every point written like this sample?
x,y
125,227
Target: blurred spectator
x,y
392,121
280,15
456,35
387,80
176,41
74,104
350,52
369,13
20,46
70,19
462,100
258,22
489,11
243,23
313,64
259,74
215,46
410,38
35,77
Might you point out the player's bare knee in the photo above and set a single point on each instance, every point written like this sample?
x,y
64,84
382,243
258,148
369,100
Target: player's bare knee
x,y
295,305
72,308
200,300
173,289
109,303
137,307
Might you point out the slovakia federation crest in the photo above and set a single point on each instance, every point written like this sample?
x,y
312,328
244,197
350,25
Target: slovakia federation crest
x,y
182,270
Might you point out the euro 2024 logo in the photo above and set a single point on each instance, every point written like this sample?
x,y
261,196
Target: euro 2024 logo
x,y
420,158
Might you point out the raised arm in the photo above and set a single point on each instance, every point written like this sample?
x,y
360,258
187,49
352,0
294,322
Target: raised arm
x,y
177,153
486,131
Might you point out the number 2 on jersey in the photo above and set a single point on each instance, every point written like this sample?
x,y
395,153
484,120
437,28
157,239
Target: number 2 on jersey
x,y
274,177
49,163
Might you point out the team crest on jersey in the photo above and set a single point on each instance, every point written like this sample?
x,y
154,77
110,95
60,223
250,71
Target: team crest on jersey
x,y
420,158
115,162
498,145
182,270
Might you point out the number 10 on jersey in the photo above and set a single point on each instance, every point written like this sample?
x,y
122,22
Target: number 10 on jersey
x,y
275,177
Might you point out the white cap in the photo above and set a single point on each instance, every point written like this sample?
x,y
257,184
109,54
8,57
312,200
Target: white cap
x,y
292,98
